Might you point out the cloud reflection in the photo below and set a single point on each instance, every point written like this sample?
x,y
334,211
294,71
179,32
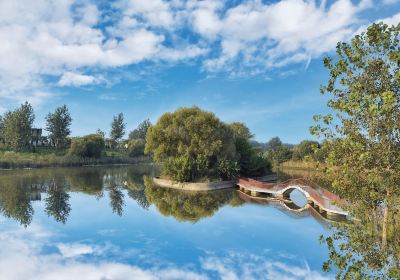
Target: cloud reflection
x,y
25,255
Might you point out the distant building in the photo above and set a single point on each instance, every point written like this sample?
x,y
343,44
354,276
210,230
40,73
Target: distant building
x,y
36,137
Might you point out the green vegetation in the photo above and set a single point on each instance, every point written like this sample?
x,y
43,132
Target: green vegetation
x,y
90,146
141,131
17,127
364,139
137,139
363,152
195,145
250,159
117,128
136,147
22,146
58,124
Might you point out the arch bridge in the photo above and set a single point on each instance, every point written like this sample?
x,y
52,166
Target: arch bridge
x,y
322,200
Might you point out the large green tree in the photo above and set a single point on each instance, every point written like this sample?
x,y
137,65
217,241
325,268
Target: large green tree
x,y
192,144
58,125
117,128
364,87
17,128
363,137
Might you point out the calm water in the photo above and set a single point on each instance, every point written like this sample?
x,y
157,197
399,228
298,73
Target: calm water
x,y
112,223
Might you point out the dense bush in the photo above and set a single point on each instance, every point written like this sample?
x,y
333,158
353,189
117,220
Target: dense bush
x,y
195,145
189,143
87,146
136,147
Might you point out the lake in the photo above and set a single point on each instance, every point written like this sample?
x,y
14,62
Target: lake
x,y
111,223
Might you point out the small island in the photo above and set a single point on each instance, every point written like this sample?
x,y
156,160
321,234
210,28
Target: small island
x,y
197,151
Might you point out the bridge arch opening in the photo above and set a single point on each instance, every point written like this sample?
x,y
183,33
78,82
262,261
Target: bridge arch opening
x,y
297,197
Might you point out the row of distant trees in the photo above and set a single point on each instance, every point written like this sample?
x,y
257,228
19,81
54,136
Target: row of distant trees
x,y
278,152
17,133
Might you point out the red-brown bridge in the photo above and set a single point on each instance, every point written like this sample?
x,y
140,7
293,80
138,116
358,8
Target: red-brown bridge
x,y
322,200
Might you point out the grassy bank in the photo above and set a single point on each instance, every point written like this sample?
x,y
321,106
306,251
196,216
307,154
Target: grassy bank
x,y
302,165
38,159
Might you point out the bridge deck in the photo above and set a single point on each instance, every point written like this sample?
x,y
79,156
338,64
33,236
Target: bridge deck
x,y
316,196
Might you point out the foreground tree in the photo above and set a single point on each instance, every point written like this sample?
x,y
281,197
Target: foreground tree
x,y
117,128
364,139
192,144
365,93
58,125
357,249
17,127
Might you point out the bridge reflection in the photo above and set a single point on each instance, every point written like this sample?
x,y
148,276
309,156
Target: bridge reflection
x,y
321,203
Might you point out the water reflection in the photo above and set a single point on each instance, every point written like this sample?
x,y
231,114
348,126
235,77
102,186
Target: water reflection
x,y
188,206
17,193
369,246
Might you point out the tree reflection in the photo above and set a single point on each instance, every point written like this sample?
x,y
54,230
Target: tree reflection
x,y
185,205
86,180
57,201
15,200
367,248
135,187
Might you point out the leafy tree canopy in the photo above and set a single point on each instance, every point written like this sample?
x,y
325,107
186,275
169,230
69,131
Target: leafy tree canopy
x,y
273,144
88,146
192,144
304,149
364,138
141,131
17,126
117,128
58,125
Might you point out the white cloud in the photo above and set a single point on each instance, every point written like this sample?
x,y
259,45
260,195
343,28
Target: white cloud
x,y
277,34
75,249
155,12
63,39
76,79
69,39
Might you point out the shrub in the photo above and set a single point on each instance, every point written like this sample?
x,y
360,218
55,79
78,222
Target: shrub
x,y
136,147
87,146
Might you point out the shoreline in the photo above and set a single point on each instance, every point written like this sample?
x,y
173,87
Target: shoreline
x,y
193,186
74,163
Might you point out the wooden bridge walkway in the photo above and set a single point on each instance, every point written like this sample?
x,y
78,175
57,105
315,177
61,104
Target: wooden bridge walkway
x,y
322,200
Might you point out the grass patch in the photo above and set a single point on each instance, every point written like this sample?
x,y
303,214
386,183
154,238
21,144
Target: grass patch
x,y
60,158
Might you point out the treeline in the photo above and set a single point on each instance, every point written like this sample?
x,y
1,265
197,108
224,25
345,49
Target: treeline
x,y
18,135
278,152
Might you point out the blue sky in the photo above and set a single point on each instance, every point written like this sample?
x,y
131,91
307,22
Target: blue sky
x,y
253,61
